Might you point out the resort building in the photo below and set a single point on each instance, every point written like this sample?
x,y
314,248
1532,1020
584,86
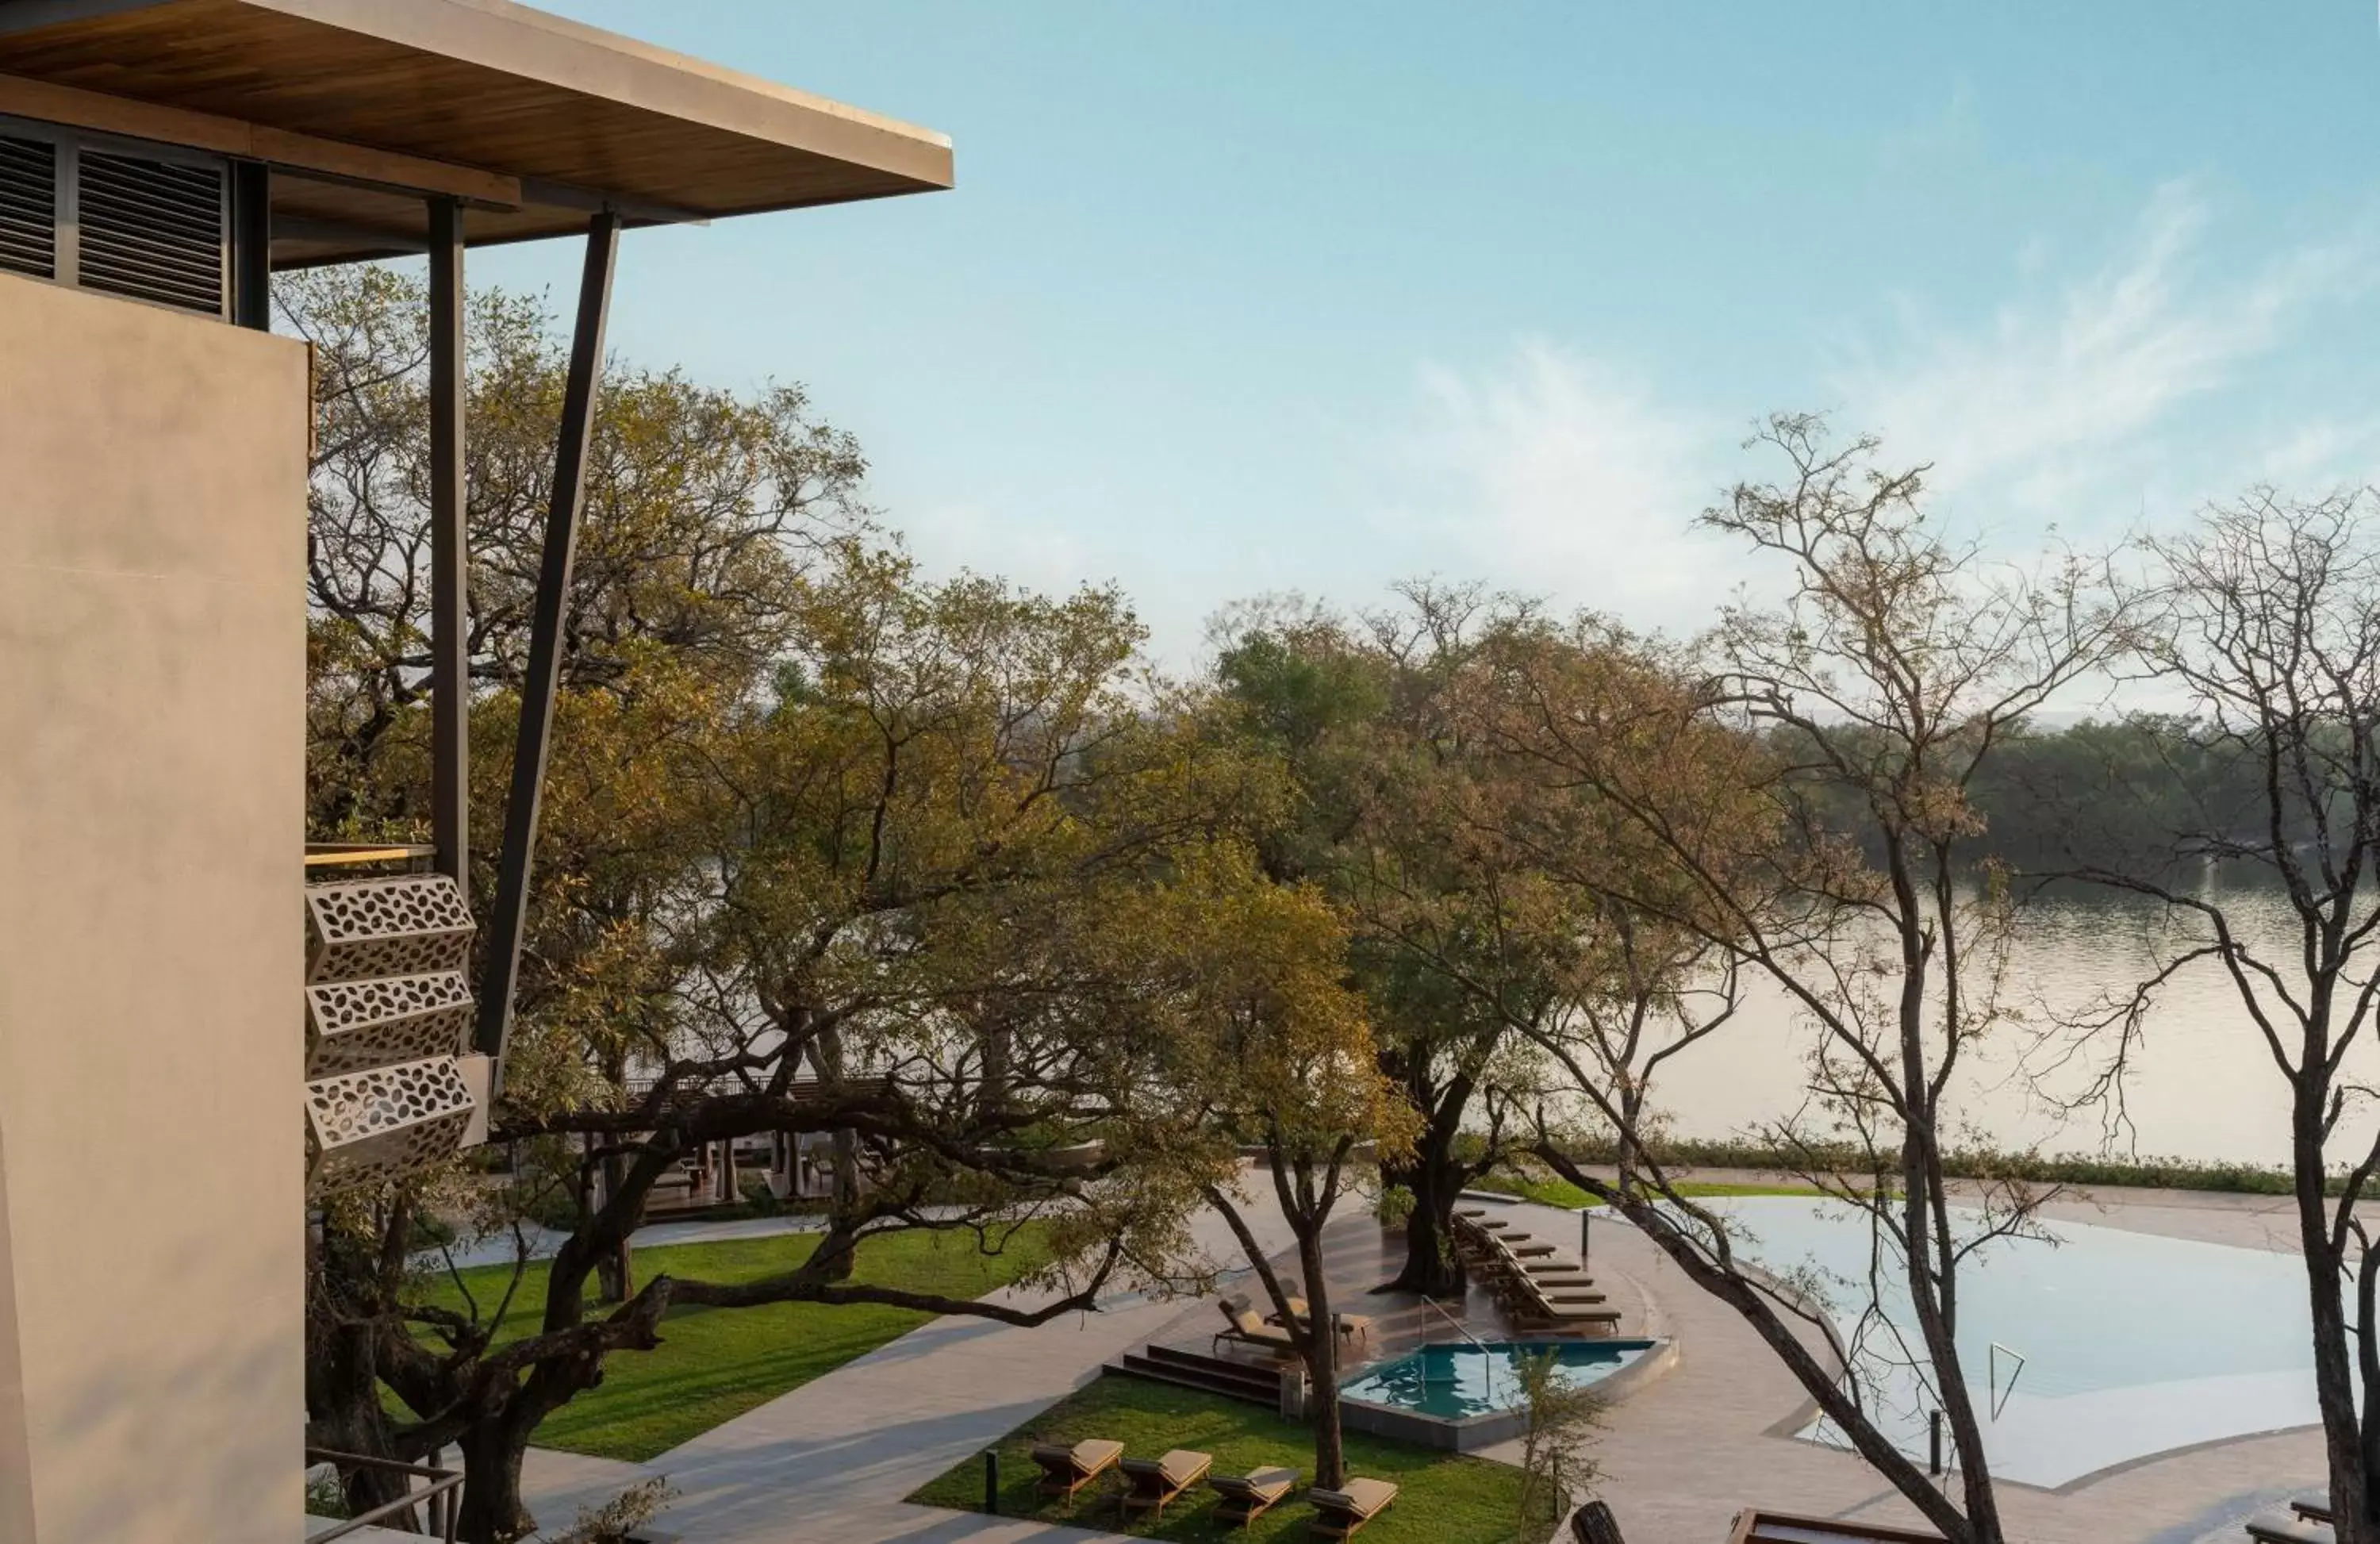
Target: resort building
x,y
160,160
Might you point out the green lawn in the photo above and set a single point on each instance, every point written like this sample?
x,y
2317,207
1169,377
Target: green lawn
x,y
1445,1498
1563,1193
714,1363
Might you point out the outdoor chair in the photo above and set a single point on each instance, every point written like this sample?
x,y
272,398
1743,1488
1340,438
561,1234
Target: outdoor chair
x,y
1536,1305
1247,1497
2289,1527
1245,1328
1065,1470
1338,1513
1592,1524
1155,1482
1350,1327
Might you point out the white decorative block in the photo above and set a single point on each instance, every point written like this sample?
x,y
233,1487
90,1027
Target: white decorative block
x,y
412,924
354,1025
382,1123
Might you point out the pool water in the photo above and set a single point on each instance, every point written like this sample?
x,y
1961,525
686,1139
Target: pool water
x,y
2091,1347
1455,1381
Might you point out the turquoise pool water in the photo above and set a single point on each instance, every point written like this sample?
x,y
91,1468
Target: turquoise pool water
x,y
2088,1348
1453,1381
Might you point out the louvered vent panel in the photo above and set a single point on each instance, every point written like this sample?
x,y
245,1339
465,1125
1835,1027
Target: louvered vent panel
x,y
152,229
29,212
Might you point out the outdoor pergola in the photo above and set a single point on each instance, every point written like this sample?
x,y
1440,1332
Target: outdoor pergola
x,y
161,157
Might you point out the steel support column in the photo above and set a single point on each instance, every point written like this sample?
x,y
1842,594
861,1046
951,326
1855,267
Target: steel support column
x,y
251,246
450,556
506,927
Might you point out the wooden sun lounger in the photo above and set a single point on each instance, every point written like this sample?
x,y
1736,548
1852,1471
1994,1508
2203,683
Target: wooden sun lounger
x,y
1247,1329
1156,1481
1247,1497
1065,1470
1338,1513
1754,1526
2289,1528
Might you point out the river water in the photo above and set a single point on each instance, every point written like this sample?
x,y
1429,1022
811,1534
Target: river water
x,y
2202,1086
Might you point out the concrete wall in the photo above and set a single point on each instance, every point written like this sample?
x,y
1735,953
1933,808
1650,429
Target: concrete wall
x,y
153,523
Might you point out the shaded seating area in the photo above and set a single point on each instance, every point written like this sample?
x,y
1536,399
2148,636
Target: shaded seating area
x,y
1152,1483
1340,1512
1066,1470
1249,1497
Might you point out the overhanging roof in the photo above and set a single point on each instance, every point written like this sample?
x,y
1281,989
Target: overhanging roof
x,y
533,119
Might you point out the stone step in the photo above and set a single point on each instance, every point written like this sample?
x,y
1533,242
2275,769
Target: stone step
x,y
1185,1376
1262,1381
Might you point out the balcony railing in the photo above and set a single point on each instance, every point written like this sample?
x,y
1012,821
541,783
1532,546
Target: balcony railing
x,y
442,1497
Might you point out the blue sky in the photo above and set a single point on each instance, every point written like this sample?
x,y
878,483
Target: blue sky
x,y
1234,297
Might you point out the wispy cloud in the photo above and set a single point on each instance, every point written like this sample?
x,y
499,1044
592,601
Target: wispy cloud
x,y
1552,473
2055,396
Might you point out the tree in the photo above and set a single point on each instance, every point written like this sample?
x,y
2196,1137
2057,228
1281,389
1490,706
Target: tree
x,y
825,848
1726,809
1556,1457
2266,619
1273,1052
1360,714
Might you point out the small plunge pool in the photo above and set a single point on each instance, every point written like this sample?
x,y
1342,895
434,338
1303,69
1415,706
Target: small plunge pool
x,y
1457,1381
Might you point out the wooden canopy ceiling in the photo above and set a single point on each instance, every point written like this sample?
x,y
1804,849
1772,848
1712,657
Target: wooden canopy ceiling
x,y
366,105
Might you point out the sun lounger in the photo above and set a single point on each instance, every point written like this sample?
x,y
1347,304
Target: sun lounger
x,y
2313,1509
1065,1470
1247,1497
1155,1482
1338,1513
1757,1526
1245,1328
2289,1527
1526,1250
1351,1326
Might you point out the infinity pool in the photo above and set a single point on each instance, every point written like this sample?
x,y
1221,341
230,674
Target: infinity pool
x,y
2090,1348
1456,1381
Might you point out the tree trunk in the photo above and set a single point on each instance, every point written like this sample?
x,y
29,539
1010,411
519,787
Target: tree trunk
x,y
846,1194
615,1269
1435,1181
491,1511
2334,1381
1322,1365
2367,1368
343,1409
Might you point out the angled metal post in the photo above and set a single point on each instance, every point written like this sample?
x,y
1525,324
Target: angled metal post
x,y
450,555
251,246
506,927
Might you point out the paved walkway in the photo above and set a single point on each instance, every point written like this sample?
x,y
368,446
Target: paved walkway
x,y
832,1459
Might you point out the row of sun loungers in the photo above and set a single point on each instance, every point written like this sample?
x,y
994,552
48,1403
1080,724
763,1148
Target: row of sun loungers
x,y
1153,1484
1531,1281
2308,1521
